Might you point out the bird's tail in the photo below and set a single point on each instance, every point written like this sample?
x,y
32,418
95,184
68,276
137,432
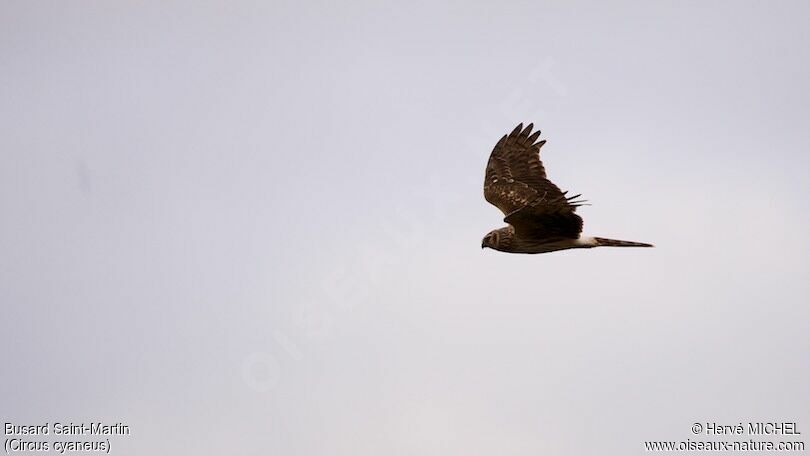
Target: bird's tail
x,y
602,242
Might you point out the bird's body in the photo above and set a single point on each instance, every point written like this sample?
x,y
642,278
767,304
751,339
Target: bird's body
x,y
541,217
508,242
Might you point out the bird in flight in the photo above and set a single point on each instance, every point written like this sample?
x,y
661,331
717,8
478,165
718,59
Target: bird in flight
x,y
541,217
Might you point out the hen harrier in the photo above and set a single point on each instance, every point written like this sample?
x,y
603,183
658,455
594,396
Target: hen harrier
x,y
541,217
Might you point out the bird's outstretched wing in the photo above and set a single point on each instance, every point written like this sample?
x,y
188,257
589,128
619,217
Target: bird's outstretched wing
x,y
516,183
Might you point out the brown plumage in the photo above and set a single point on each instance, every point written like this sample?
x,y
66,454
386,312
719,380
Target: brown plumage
x,y
541,217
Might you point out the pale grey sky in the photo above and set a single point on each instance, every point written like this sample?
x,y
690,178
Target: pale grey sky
x,y
254,227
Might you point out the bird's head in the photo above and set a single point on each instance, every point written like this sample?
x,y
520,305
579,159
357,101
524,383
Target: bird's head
x,y
494,239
